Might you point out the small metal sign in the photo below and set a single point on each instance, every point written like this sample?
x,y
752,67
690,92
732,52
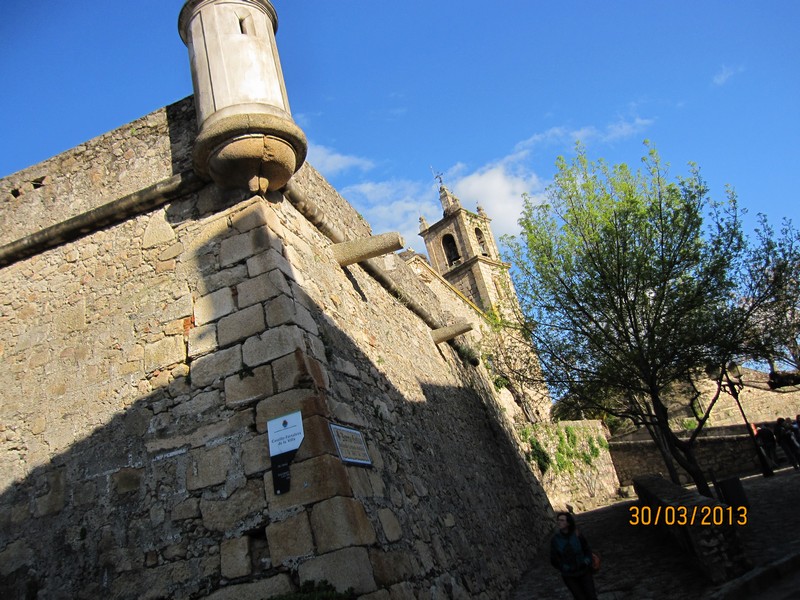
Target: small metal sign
x,y
285,436
285,433
350,445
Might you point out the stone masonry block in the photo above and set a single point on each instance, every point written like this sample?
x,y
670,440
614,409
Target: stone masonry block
x,y
339,523
255,290
255,215
209,467
269,261
299,370
236,248
205,370
167,351
290,538
391,567
258,590
158,231
127,480
318,439
213,306
272,344
240,325
305,401
312,481
202,340
347,568
235,557
391,526
236,511
255,455
246,387
281,310
53,501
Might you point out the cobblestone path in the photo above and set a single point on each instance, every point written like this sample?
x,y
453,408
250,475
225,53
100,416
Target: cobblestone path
x,y
639,563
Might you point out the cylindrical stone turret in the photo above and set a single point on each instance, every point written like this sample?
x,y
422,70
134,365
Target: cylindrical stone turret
x,y
247,138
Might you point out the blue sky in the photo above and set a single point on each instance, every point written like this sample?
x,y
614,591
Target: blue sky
x,y
488,94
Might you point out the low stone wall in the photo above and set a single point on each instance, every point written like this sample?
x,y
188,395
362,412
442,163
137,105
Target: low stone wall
x,y
700,526
719,455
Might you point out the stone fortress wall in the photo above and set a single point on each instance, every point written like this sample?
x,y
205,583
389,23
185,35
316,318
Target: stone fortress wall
x,y
143,361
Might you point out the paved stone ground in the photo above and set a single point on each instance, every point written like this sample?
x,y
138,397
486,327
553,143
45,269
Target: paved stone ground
x,y
641,564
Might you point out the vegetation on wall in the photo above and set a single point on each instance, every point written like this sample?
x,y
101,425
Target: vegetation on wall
x,y
571,445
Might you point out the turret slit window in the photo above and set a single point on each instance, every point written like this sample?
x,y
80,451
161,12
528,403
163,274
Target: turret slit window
x,y
450,250
246,25
481,242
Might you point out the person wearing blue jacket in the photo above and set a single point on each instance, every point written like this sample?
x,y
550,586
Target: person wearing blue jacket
x,y
571,555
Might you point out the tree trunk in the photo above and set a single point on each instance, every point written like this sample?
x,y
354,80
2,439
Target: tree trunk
x,y
682,451
660,443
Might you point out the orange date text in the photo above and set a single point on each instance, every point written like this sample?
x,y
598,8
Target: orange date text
x,y
687,515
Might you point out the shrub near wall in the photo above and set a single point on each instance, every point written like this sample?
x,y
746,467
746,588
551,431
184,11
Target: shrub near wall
x,y
574,462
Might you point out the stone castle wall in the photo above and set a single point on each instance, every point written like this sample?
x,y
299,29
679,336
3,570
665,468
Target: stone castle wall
x,y
143,361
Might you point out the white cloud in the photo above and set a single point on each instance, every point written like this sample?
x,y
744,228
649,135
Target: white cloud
x,y
620,129
725,73
329,162
499,188
396,205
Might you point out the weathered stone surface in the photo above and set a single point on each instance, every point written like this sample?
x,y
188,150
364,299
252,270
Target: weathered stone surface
x,y
255,455
339,523
211,367
306,401
224,515
290,538
391,567
235,557
269,261
258,590
188,509
14,556
209,467
213,306
391,526
202,340
158,231
343,569
240,325
53,501
246,387
256,290
127,480
167,351
313,480
272,344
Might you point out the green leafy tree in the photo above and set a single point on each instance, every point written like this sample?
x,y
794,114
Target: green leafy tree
x,y
773,271
625,292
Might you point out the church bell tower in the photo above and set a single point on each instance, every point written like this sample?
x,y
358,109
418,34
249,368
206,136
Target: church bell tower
x,y
462,249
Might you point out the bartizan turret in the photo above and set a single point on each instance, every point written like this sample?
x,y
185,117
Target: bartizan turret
x,y
247,138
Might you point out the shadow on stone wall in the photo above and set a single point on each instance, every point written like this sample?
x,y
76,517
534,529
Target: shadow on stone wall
x,y
151,504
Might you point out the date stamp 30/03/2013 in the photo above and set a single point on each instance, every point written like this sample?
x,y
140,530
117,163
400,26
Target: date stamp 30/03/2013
x,y
687,515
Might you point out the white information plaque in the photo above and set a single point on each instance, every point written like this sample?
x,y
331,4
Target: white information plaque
x,y
285,433
350,445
